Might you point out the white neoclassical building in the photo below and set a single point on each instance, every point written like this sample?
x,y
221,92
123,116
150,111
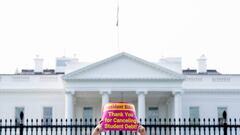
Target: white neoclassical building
x,y
158,90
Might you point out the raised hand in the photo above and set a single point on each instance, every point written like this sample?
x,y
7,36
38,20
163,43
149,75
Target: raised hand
x,y
97,130
141,130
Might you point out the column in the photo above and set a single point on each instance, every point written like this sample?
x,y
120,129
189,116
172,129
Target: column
x,y
105,96
105,99
141,105
177,102
69,106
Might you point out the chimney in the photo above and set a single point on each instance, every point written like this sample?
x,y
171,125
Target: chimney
x,y
202,64
38,64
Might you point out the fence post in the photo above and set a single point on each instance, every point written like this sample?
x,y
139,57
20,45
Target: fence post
x,y
224,122
21,123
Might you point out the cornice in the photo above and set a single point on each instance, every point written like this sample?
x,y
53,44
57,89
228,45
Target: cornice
x,y
32,90
125,78
212,90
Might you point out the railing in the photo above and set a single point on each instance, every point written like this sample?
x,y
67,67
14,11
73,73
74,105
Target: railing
x,y
152,126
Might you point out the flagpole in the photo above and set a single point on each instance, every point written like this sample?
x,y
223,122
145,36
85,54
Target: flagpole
x,y
117,25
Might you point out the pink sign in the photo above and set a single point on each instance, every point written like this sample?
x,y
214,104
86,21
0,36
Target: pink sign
x,y
119,116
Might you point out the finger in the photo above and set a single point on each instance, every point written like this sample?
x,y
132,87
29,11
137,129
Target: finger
x,y
139,130
100,128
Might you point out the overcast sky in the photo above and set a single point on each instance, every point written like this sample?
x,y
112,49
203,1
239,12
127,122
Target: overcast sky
x,y
149,29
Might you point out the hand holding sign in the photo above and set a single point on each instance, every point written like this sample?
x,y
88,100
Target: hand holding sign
x,y
97,130
119,116
141,130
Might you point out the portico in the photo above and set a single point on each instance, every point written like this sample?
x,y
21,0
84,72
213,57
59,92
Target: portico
x,y
125,78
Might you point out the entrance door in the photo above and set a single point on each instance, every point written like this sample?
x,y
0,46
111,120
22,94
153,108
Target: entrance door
x,y
152,113
87,113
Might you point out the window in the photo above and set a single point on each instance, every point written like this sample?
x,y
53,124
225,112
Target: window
x,y
220,111
47,115
194,114
152,113
18,110
87,113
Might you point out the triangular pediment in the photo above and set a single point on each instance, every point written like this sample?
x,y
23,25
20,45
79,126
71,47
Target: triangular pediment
x,y
123,66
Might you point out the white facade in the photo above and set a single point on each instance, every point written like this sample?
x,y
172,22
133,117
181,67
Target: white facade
x,y
157,90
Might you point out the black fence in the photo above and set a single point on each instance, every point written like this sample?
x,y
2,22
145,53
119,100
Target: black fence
x,y
152,126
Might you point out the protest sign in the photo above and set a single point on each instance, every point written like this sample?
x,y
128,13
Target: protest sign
x,y
120,116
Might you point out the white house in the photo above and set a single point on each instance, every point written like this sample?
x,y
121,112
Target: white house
x,y
158,90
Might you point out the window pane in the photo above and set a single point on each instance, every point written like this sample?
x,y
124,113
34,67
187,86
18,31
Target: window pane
x,y
194,112
220,111
87,113
47,115
153,113
18,110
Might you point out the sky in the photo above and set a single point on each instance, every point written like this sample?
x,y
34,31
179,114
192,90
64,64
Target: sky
x,y
149,29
